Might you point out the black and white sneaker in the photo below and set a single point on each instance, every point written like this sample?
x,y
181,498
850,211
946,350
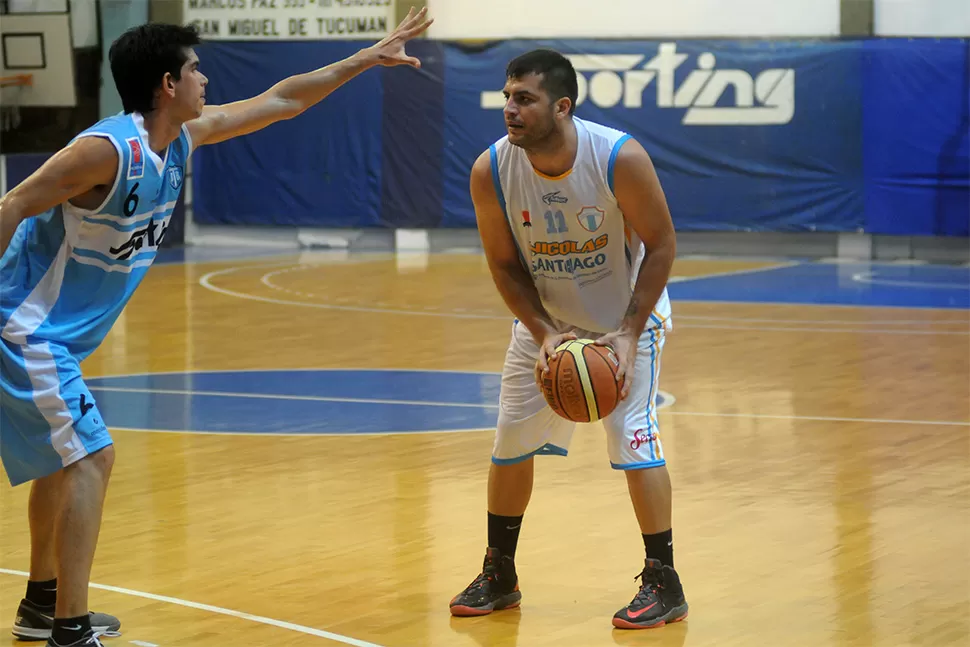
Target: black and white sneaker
x,y
36,622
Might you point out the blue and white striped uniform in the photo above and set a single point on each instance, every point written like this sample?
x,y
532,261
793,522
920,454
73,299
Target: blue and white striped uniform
x,y
64,280
584,259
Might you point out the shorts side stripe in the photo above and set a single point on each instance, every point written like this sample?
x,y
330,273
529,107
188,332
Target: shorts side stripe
x,y
41,367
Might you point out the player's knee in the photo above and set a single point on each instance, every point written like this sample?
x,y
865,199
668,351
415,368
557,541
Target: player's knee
x,y
104,460
96,465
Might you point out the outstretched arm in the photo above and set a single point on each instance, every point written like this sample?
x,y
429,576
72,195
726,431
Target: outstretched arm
x,y
293,95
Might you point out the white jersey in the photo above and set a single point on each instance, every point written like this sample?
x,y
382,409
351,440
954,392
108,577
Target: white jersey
x,y
573,238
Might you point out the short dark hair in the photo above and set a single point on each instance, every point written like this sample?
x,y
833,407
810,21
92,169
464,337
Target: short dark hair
x,y
558,74
141,56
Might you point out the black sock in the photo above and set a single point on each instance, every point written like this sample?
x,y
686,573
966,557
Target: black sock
x,y
43,594
661,546
70,630
503,533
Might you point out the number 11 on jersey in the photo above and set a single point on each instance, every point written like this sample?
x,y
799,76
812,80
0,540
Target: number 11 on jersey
x,y
555,222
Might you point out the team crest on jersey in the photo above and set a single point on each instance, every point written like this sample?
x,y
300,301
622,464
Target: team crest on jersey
x,y
136,164
591,218
175,177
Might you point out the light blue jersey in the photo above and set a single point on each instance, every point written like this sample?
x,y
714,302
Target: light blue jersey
x,y
64,280
68,273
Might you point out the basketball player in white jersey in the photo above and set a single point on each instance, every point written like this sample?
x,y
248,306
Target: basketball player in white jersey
x,y
579,241
76,239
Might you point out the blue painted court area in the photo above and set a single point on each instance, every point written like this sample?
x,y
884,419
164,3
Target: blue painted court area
x,y
300,402
857,284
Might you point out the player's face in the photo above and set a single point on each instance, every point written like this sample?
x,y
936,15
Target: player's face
x,y
190,89
530,115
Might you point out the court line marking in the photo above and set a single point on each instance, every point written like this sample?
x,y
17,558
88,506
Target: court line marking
x,y
287,370
794,304
869,278
868,331
826,322
310,398
661,411
767,416
313,434
347,640
229,259
206,282
666,397
749,270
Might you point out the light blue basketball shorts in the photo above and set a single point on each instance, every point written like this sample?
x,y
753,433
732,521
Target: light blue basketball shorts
x,y
48,417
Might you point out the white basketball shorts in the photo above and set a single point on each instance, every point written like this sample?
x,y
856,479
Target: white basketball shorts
x,y
527,426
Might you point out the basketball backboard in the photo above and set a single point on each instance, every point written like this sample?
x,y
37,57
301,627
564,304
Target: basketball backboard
x,y
38,44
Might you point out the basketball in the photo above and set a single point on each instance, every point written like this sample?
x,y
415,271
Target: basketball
x,y
581,384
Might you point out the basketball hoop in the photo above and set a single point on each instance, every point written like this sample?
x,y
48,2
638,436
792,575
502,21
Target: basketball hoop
x,y
11,88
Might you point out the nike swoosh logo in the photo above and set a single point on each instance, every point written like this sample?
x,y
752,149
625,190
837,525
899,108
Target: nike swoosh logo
x,y
637,614
78,628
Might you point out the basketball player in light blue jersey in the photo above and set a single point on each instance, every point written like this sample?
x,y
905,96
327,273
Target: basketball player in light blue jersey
x,y
579,242
76,238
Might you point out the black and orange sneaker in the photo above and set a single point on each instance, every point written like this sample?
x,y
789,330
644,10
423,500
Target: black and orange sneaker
x,y
496,587
659,601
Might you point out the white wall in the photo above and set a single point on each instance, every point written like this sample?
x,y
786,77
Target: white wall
x,y
921,17
500,19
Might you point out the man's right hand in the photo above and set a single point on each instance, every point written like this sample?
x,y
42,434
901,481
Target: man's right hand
x,y
547,351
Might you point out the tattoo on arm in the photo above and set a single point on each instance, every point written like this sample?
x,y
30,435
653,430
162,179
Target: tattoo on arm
x,y
633,307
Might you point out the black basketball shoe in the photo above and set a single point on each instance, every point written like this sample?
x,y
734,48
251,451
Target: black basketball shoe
x,y
659,601
497,587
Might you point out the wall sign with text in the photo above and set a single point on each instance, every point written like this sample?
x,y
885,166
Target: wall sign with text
x,y
291,19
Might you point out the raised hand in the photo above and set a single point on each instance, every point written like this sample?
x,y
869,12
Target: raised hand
x,y
390,51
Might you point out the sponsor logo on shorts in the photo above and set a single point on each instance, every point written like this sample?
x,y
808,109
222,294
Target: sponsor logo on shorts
x,y
640,437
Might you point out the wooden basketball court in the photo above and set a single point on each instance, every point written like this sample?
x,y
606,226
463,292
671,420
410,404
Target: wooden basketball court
x,y
277,484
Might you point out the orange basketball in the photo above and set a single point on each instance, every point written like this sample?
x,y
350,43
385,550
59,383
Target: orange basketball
x,y
581,384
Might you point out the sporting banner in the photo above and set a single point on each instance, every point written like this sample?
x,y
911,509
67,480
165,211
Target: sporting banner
x,y
290,19
850,136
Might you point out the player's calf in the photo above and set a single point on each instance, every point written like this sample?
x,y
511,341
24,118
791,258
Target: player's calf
x,y
495,588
